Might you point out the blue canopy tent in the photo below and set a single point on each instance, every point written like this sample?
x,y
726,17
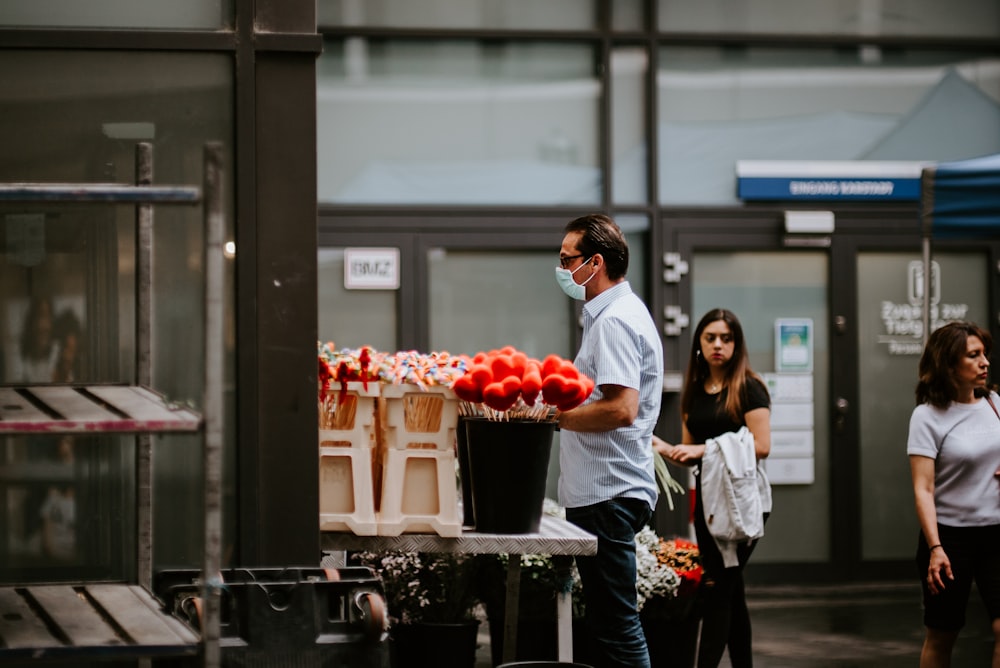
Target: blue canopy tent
x,y
957,199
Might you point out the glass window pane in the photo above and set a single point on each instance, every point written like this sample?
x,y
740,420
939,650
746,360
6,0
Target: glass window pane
x,y
629,67
720,105
627,15
62,514
175,14
353,318
506,14
76,117
457,122
477,302
890,340
959,18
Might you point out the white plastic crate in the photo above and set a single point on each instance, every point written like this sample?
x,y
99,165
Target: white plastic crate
x,y
411,417
348,481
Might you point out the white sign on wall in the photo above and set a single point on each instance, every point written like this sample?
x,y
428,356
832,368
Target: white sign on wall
x,y
903,322
371,268
792,458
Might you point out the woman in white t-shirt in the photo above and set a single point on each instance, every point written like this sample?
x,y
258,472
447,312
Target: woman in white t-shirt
x,y
954,451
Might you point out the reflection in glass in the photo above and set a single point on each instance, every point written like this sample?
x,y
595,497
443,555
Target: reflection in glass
x,y
968,18
505,14
627,15
719,105
178,14
482,300
457,122
629,67
67,296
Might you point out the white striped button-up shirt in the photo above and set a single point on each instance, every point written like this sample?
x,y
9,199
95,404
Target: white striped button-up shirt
x,y
620,346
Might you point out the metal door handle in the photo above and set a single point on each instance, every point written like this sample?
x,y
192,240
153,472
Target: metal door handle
x,y
841,408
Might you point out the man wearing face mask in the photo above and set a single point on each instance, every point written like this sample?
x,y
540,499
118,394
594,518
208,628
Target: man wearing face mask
x,y
606,482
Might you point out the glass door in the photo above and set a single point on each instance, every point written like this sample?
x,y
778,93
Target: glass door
x,y
890,341
781,298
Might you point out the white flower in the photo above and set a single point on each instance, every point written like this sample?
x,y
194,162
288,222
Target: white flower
x,y
652,578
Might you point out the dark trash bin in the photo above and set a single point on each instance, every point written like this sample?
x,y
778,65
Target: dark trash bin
x,y
289,616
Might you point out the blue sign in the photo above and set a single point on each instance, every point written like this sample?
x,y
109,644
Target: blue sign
x,y
825,181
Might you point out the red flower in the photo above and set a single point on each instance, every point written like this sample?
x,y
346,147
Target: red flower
x,y
683,556
501,378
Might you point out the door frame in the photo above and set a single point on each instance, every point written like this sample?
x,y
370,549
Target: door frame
x,y
859,237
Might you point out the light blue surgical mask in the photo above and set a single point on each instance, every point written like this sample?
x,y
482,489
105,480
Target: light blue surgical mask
x,y
564,277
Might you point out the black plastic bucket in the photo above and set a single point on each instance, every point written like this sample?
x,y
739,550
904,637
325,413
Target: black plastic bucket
x,y
509,464
464,475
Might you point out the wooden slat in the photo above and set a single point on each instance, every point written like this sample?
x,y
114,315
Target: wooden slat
x,y
74,616
72,405
135,611
138,403
105,621
140,410
15,407
19,626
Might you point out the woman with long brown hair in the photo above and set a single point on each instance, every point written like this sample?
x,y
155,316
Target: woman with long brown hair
x,y
721,395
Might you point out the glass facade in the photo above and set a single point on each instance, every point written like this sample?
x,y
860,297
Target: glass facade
x,y
926,18
458,116
629,137
478,303
718,105
506,14
147,14
522,123
457,122
67,283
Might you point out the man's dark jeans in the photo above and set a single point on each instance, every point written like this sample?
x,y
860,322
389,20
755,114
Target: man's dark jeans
x,y
609,579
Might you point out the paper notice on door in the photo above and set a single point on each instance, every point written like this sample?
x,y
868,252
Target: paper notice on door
x,y
791,415
793,345
790,470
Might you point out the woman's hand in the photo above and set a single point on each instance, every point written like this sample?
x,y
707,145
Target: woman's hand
x,y
679,454
938,570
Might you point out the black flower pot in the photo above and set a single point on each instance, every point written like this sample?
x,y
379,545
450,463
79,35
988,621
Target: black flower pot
x,y
464,475
671,627
437,644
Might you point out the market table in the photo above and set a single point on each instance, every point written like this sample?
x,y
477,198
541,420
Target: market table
x,y
555,537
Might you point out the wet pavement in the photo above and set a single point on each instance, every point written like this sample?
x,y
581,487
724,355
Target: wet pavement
x,y
842,626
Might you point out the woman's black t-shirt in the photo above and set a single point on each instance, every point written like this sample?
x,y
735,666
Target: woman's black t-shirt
x,y
708,417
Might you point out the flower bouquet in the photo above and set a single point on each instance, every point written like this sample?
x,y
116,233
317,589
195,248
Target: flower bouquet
x,y
505,383
510,404
339,367
669,575
671,617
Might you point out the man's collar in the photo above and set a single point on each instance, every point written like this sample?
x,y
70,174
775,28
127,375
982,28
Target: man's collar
x,y
594,306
